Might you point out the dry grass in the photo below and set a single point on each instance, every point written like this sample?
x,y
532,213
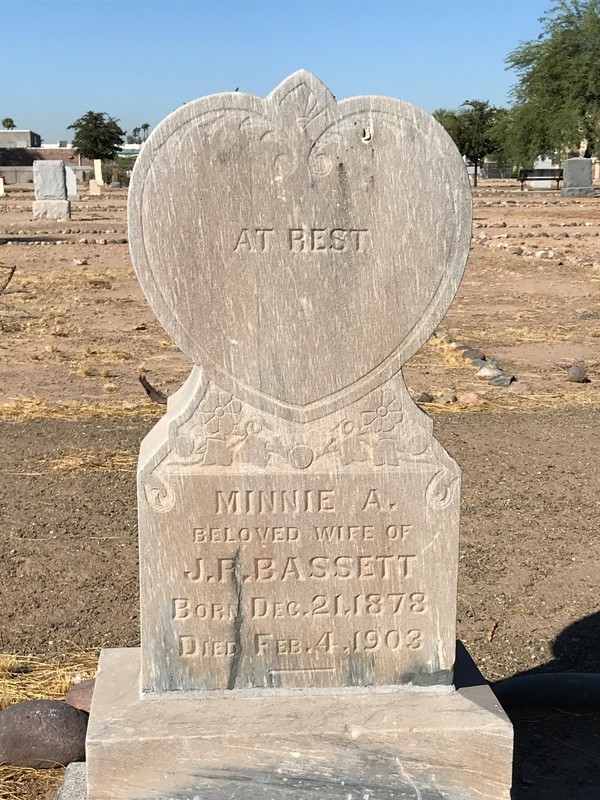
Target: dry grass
x,y
95,461
24,783
26,408
581,397
32,678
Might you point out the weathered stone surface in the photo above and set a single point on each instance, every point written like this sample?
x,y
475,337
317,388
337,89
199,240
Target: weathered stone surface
x,y
95,188
49,180
435,744
51,209
80,694
294,507
42,734
333,238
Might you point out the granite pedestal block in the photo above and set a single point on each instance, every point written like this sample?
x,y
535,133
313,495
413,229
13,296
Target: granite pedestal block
x,y
51,209
386,743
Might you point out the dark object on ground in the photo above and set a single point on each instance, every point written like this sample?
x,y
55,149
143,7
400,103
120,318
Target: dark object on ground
x,y
154,394
566,690
10,271
542,174
504,379
472,354
80,695
577,374
424,397
42,734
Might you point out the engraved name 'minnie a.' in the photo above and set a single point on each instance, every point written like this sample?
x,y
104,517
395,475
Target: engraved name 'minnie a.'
x,y
303,239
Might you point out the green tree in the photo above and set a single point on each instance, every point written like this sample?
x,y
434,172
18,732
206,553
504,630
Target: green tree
x,y
557,97
145,128
474,129
8,123
97,135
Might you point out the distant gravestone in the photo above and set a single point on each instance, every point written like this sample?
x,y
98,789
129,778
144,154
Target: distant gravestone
x,y
2,192
298,522
71,181
50,191
98,171
542,163
578,178
95,190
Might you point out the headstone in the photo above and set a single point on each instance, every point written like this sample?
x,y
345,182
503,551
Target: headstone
x,y
2,192
95,188
98,171
115,185
298,522
542,163
50,191
114,175
71,180
577,178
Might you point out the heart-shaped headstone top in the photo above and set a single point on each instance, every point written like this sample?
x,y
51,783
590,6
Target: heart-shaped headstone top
x,y
298,248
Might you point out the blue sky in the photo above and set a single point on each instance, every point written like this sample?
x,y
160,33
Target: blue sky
x,y
138,61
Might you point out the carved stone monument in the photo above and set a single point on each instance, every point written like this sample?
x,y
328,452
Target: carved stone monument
x,y
50,191
298,522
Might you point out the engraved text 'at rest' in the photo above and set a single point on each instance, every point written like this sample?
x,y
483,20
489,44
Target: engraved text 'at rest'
x,y
302,240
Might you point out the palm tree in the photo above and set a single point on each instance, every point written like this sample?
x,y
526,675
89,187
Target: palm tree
x,y
145,128
8,123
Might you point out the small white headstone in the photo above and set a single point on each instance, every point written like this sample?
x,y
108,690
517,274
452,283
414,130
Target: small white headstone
x,y
98,171
2,192
95,188
71,177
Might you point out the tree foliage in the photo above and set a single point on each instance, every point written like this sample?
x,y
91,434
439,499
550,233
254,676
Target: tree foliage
x,y
97,135
557,97
475,129
8,123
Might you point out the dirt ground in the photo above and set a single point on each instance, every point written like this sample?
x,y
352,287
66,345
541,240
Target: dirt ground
x,y
75,333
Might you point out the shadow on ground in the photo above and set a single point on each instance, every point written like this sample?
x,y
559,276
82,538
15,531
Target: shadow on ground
x,y
557,744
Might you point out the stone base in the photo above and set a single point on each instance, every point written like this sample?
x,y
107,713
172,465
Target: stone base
x,y
51,209
385,743
578,191
74,785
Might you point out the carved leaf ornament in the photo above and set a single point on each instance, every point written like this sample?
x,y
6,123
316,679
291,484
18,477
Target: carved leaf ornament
x,y
298,248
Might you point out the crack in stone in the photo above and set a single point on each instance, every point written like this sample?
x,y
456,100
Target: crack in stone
x,y
238,621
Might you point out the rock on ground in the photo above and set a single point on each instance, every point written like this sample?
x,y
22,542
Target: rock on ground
x,y
80,695
42,734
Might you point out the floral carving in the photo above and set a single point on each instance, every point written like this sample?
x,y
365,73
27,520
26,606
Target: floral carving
x,y
386,414
224,431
